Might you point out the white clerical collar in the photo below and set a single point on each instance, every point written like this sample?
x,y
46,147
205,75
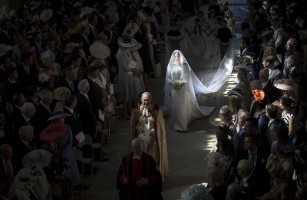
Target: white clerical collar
x,y
137,157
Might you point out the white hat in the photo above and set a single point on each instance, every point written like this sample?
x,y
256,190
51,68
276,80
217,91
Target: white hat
x,y
46,14
131,29
137,47
60,93
25,179
99,50
286,84
85,11
38,158
47,57
126,42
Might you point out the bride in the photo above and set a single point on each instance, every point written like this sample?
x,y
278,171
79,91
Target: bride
x,y
181,85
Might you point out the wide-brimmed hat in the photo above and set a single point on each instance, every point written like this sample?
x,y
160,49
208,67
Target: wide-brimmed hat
x,y
99,50
131,29
126,41
286,84
25,179
46,14
53,132
137,47
234,93
37,158
60,93
58,114
85,11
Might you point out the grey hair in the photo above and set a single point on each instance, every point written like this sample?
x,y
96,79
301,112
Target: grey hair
x,y
27,107
83,85
24,130
245,166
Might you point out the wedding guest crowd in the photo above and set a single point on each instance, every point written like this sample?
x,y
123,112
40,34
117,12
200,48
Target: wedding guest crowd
x,y
265,121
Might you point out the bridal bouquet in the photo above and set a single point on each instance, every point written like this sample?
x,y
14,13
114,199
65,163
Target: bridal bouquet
x,y
177,84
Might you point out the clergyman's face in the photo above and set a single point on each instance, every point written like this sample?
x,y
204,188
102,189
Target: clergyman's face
x,y
145,99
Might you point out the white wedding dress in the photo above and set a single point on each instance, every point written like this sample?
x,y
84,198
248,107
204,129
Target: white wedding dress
x,y
181,104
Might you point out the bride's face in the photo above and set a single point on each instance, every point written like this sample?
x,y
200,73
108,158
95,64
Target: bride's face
x,y
177,57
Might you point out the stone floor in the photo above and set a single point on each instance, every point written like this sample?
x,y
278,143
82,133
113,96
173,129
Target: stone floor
x,y
186,151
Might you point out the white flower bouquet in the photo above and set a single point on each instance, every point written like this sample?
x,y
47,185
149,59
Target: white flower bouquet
x,y
177,84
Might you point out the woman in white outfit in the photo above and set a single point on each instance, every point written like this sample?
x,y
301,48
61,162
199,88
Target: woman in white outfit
x,y
128,71
180,101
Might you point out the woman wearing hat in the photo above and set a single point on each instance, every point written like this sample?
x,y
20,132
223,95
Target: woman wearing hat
x,y
37,160
127,70
59,137
27,187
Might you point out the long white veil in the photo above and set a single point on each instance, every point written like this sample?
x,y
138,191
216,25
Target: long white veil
x,y
207,82
195,86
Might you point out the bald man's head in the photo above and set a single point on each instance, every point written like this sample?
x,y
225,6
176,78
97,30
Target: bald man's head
x,y
146,98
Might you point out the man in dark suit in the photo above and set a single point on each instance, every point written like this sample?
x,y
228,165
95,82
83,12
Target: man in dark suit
x,y
27,71
95,94
6,166
71,82
292,65
272,93
85,110
11,86
23,145
271,112
33,96
274,72
92,23
73,120
102,17
6,37
43,112
248,185
27,112
257,157
82,38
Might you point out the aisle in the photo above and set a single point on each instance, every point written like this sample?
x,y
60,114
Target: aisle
x,y
186,150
